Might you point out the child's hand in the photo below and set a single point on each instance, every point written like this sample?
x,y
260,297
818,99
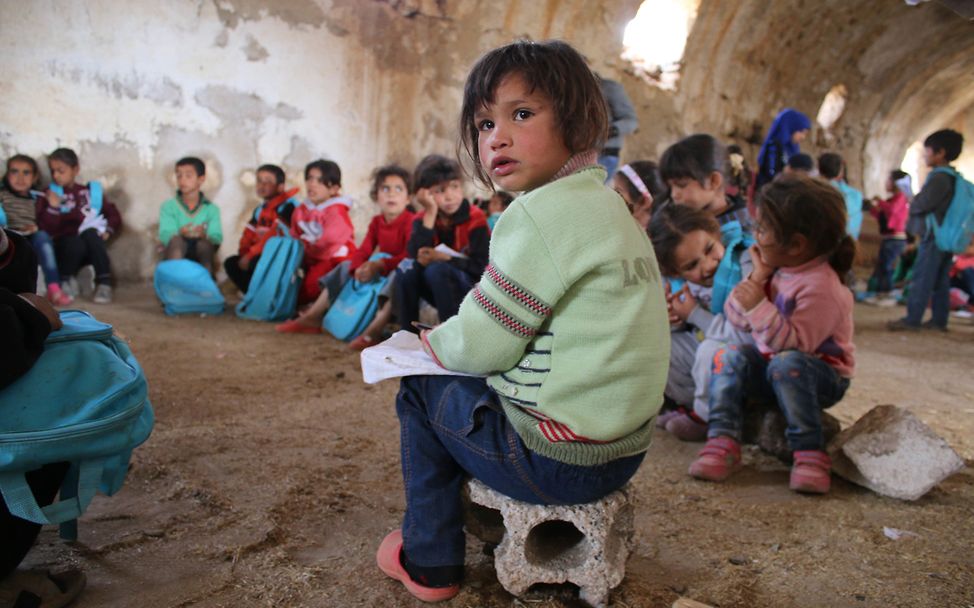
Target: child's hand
x,y
367,271
428,255
244,261
682,303
748,294
762,270
425,199
53,199
105,235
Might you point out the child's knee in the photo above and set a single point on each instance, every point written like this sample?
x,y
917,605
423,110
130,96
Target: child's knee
x,y
787,365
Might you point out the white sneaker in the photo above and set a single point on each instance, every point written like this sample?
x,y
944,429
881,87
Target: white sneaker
x,y
70,287
103,294
963,314
887,302
871,300
86,281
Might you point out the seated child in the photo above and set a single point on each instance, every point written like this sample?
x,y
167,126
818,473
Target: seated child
x,y
691,246
695,169
800,163
69,214
931,269
448,219
499,202
189,224
565,414
800,316
272,217
832,167
892,214
388,233
323,225
18,208
638,183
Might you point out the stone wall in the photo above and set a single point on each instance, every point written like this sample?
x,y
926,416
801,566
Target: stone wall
x,y
134,86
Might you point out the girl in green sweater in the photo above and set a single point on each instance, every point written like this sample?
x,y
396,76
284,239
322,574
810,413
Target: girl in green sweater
x,y
565,413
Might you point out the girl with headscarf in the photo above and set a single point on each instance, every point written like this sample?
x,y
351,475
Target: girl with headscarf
x,y
788,129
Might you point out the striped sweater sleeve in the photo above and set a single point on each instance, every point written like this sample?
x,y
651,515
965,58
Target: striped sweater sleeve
x,y
506,309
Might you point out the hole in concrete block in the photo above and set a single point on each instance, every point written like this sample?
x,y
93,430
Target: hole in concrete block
x,y
555,540
485,523
565,593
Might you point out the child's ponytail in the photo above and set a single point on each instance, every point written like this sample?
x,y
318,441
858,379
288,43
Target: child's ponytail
x,y
842,258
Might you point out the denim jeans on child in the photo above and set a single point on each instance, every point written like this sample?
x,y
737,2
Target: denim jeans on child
x,y
801,384
931,285
44,248
889,252
453,427
441,284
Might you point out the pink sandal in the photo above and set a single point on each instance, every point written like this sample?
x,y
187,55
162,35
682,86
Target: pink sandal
x,y
811,472
361,342
293,326
387,558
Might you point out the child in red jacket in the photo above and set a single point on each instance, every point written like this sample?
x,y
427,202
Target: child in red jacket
x,y
323,225
272,217
388,233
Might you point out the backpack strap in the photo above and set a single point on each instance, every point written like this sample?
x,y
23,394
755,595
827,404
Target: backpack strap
x,y
96,196
728,273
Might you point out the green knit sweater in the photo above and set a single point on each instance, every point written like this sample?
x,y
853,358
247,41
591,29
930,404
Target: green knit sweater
x,y
569,322
174,214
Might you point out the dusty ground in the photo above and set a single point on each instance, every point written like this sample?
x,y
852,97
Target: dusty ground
x,y
273,473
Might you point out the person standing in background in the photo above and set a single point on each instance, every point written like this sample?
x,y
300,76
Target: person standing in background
x,y
622,122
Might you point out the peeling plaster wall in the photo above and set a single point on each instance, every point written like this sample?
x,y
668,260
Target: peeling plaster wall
x,y
133,87
244,82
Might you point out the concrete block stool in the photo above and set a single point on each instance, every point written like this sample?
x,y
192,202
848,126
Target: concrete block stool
x,y
586,544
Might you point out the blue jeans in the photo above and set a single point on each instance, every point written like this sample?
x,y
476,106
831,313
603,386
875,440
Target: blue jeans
x,y
453,427
931,284
889,252
441,284
44,248
611,163
964,280
801,384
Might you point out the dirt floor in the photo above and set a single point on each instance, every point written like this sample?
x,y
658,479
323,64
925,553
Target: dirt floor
x,y
273,473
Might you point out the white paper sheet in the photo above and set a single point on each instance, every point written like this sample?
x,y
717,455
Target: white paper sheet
x,y
401,355
453,253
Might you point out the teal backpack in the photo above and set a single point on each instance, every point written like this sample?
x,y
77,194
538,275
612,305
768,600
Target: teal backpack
x,y
186,287
273,291
355,306
96,195
957,230
728,274
84,402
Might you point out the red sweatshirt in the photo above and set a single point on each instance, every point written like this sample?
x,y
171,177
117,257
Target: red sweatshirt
x,y
271,214
390,237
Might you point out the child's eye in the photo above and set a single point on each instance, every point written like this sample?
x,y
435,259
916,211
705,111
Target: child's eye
x,y
522,114
485,125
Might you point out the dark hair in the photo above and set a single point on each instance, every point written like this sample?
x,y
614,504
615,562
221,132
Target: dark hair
x,y
276,171
195,163
380,175
64,155
897,174
801,162
556,70
796,204
331,175
435,169
830,165
948,140
21,158
506,198
695,157
648,171
668,227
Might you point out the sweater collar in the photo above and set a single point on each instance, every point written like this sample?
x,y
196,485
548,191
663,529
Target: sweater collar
x,y
809,265
576,163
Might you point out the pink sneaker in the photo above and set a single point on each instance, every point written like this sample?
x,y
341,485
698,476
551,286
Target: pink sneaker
x,y
57,296
811,472
387,559
292,326
720,457
687,427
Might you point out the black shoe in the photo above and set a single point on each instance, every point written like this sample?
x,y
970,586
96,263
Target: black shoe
x,y
929,325
901,325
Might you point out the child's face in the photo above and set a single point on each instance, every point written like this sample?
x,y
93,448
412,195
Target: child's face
x,y
707,196
697,257
187,181
267,186
62,173
21,176
318,190
798,136
934,158
775,253
392,196
621,185
519,141
448,196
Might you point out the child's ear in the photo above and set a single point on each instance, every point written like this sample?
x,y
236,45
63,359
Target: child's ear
x,y
798,245
715,180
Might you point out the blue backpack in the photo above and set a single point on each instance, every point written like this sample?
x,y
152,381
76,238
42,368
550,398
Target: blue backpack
x,y
957,230
96,195
355,306
185,287
273,291
85,402
728,274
